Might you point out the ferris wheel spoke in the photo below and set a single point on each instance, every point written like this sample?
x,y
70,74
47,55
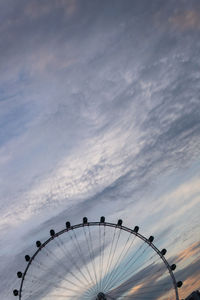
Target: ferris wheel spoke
x,y
108,261
48,252
36,279
60,245
37,264
76,265
126,252
120,258
81,255
91,260
124,274
62,277
120,275
148,260
56,287
90,294
56,259
41,267
131,272
102,258
91,254
111,262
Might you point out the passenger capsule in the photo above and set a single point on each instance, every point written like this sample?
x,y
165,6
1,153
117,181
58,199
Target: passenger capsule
x,y
173,267
179,284
68,225
85,220
119,223
38,244
52,232
27,257
136,229
151,238
163,252
19,274
15,293
102,220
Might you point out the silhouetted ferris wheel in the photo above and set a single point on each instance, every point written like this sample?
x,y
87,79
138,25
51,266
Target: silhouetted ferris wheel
x,y
97,261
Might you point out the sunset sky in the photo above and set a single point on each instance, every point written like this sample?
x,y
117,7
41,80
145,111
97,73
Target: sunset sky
x,y
100,115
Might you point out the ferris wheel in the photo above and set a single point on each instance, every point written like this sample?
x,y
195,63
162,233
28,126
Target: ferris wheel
x,y
97,261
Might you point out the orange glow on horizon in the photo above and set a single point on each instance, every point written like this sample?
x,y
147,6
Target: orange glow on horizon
x,y
189,252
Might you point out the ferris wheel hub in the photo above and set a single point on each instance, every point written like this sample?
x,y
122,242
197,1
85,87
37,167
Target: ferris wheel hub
x,y
101,296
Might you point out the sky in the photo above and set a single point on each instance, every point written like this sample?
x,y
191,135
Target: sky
x,y
100,115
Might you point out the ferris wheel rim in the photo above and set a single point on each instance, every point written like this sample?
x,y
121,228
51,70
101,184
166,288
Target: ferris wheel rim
x,y
99,223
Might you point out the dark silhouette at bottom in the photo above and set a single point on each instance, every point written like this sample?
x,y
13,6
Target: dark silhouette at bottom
x,y
101,296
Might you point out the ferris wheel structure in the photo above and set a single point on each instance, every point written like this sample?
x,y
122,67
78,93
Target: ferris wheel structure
x,y
97,261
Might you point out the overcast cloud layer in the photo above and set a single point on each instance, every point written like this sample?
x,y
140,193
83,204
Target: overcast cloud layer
x,y
99,115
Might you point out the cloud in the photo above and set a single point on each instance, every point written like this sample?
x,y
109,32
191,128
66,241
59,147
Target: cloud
x,y
187,20
37,9
189,252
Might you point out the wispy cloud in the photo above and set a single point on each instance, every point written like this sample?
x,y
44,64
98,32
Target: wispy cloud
x,y
187,20
99,114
